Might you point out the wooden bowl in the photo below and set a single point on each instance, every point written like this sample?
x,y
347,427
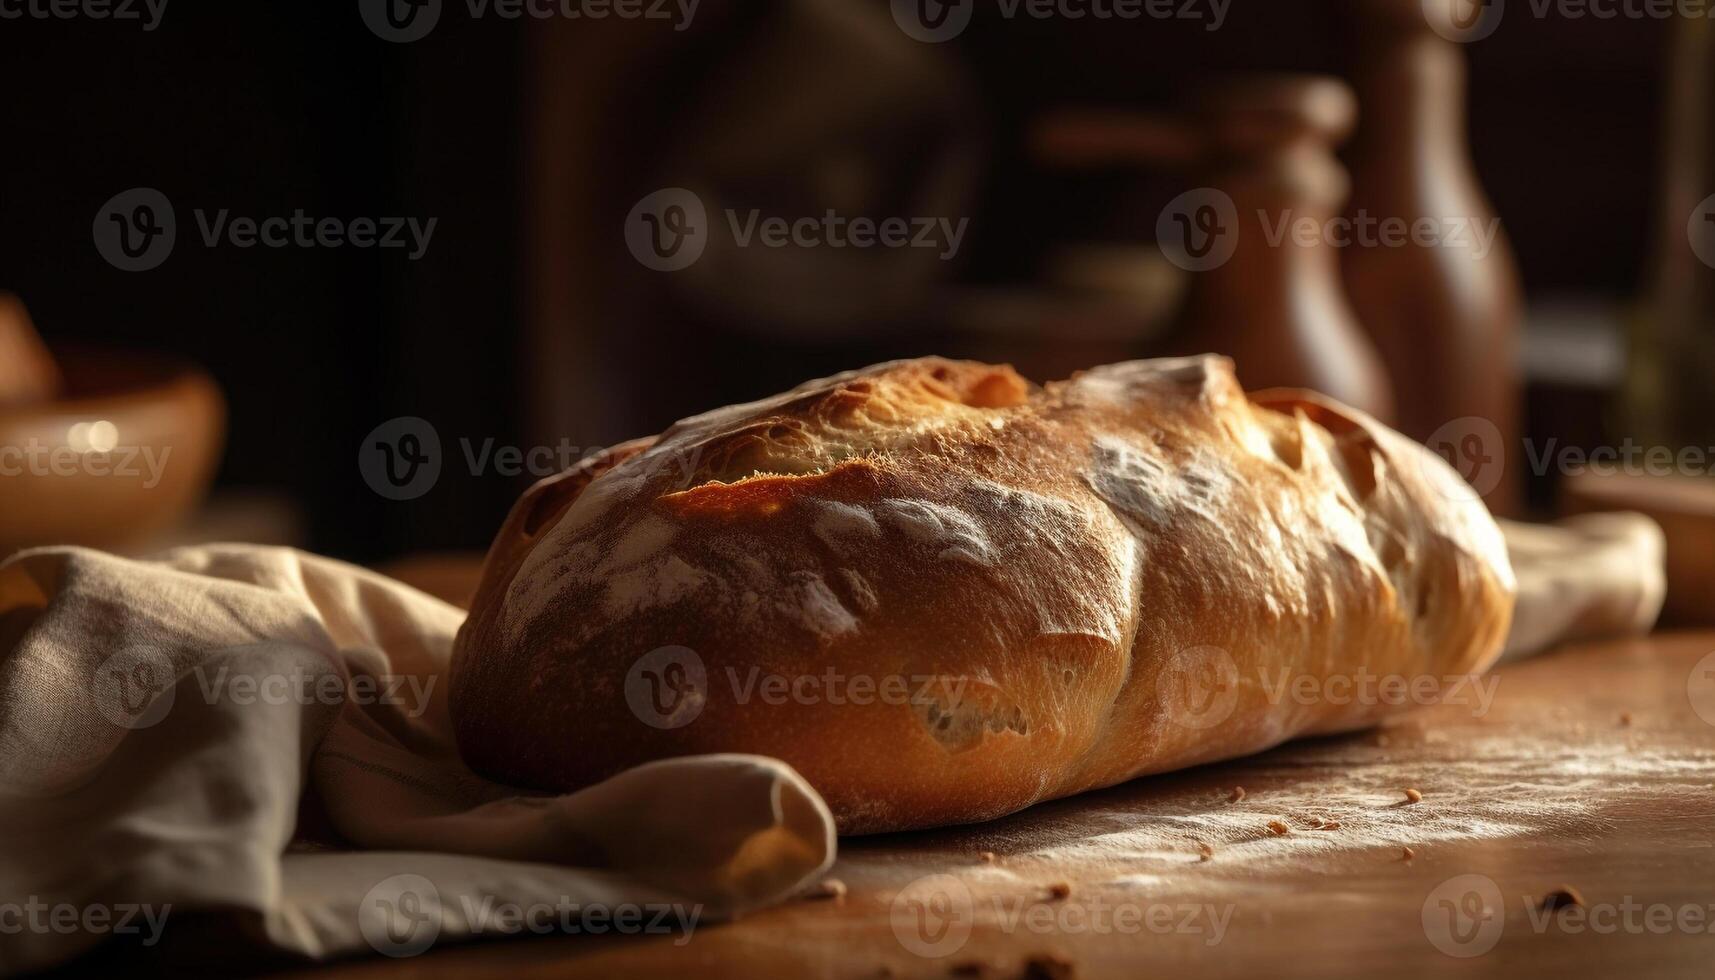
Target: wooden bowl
x,y
126,451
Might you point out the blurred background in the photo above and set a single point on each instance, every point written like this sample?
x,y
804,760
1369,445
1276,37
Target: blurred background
x,y
1094,167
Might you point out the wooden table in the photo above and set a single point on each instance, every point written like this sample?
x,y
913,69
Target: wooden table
x,y
1592,769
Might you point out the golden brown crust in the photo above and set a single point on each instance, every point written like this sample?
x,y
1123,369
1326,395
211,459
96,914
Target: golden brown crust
x,y
943,594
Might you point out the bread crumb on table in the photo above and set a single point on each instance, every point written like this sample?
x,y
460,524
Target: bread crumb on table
x,y
1413,796
1237,794
1563,897
987,857
1204,851
1409,854
1625,719
1278,828
1331,825
1059,890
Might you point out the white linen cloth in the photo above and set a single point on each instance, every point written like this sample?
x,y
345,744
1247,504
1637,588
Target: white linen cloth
x,y
169,728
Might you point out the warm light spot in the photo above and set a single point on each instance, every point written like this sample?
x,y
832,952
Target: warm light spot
x,y
100,436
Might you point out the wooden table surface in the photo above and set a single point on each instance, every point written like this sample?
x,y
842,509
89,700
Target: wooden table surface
x,y
1592,768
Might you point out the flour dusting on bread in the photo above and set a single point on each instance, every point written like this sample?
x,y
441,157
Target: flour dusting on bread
x,y
976,593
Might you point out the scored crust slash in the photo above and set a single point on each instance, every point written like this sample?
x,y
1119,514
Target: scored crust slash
x,y
1095,571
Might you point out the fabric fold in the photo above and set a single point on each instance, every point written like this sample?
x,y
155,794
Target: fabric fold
x,y
161,722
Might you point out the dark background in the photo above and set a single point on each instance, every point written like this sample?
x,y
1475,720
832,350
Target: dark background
x,y
265,108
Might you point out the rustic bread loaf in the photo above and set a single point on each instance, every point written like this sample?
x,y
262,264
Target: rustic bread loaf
x,y
944,594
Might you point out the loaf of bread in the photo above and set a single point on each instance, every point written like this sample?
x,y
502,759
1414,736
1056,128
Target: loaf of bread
x,y
943,593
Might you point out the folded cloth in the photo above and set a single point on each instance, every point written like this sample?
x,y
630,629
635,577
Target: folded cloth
x,y
173,732
1584,577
